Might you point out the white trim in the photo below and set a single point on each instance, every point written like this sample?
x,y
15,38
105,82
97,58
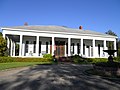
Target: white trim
x,y
69,46
115,48
38,31
37,45
81,45
20,45
53,44
11,48
93,47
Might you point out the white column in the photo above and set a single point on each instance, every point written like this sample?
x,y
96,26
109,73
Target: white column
x,y
8,42
104,48
115,48
53,44
81,46
65,50
37,45
11,48
8,45
23,48
93,47
104,44
20,45
3,35
115,45
69,46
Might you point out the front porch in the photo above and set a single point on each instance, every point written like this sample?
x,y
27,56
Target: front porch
x,y
37,46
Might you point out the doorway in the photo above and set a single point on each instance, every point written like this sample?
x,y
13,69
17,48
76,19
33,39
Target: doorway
x,y
59,48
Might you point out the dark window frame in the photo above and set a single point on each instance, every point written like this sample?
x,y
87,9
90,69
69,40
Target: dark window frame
x,y
26,46
47,47
78,48
40,46
34,47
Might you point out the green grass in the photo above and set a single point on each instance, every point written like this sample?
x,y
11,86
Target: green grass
x,y
9,65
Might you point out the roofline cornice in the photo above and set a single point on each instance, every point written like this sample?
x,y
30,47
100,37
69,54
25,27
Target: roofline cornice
x,y
31,30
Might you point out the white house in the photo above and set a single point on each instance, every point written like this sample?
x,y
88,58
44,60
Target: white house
x,y
34,41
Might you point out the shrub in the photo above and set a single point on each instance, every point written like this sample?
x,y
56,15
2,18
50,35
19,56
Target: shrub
x,y
117,59
6,59
3,46
11,59
77,59
32,60
48,56
96,60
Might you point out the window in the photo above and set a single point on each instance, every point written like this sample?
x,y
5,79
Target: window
x,y
50,42
34,46
46,47
39,46
73,47
78,48
26,46
66,48
83,49
99,50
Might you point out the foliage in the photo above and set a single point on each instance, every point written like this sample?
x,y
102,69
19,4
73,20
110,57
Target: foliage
x,y
110,32
48,56
11,59
81,60
117,59
119,52
3,46
118,46
6,59
0,34
77,59
96,60
110,44
16,49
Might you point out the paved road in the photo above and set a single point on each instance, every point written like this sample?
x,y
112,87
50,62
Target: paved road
x,y
54,77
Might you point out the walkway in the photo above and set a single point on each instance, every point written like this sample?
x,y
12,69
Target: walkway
x,y
54,77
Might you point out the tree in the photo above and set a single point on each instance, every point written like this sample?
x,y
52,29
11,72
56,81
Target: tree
x,y
3,45
110,44
110,32
0,34
118,47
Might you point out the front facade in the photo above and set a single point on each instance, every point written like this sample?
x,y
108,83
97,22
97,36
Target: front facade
x,y
35,41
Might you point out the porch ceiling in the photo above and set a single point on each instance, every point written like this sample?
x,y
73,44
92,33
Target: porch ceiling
x,y
15,38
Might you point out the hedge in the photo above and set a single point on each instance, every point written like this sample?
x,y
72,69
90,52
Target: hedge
x,y
78,59
96,60
13,59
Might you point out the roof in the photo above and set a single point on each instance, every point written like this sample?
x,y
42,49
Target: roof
x,y
58,29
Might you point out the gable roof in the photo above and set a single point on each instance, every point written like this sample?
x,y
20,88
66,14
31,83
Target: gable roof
x,y
57,29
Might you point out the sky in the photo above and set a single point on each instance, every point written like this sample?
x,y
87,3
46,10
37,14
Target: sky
x,y
95,15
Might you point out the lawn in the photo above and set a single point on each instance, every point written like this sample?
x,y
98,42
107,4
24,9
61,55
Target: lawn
x,y
9,65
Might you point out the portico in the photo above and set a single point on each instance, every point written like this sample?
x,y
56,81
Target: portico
x,y
35,41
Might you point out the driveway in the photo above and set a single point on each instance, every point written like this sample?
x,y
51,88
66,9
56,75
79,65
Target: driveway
x,y
54,77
